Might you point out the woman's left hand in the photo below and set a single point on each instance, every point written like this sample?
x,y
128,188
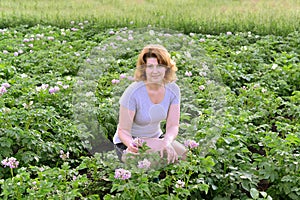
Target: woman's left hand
x,y
171,153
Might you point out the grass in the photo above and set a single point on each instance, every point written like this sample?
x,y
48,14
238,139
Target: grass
x,y
207,16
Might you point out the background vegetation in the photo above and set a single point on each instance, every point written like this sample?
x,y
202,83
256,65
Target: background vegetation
x,y
206,16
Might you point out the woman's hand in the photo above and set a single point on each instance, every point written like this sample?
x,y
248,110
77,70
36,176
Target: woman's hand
x,y
171,153
162,146
132,148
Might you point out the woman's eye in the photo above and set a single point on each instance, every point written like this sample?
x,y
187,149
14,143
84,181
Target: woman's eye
x,y
157,66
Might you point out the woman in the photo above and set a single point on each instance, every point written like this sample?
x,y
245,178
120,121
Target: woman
x,y
152,98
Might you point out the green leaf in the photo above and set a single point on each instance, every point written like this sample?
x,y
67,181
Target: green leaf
x,y
264,194
254,193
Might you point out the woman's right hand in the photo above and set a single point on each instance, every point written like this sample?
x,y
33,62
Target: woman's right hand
x,y
132,148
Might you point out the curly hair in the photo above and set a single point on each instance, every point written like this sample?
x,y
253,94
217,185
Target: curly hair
x,y
163,57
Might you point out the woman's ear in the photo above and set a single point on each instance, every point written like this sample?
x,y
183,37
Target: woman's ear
x,y
168,70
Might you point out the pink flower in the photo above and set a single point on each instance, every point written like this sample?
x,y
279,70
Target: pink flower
x,y
228,33
122,76
138,142
188,73
144,164
191,144
2,90
115,81
74,29
202,40
16,53
179,184
5,52
6,85
10,162
122,174
53,90
50,38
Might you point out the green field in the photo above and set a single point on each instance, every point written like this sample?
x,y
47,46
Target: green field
x,y
65,64
207,16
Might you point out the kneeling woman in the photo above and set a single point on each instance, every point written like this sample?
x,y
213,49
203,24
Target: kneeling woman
x,y
152,98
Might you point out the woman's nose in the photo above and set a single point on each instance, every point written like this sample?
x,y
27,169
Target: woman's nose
x,y
155,69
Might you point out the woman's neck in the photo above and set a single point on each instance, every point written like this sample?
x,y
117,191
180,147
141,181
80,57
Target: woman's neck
x,y
154,86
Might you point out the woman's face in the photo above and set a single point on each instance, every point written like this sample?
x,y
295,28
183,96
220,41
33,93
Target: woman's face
x,y
155,73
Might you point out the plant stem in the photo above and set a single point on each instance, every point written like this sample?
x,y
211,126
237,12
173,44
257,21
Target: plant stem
x,y
12,172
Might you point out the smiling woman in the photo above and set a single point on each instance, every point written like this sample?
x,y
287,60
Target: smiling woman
x,y
154,97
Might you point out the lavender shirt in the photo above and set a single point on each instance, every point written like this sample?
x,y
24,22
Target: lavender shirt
x,y
148,115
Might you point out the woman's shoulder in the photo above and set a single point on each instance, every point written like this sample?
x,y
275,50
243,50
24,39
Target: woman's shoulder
x,y
173,86
134,86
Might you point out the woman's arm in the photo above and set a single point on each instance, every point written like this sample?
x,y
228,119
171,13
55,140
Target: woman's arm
x,y
172,124
126,117
172,128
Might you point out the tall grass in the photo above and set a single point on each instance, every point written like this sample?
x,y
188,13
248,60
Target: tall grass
x,y
207,16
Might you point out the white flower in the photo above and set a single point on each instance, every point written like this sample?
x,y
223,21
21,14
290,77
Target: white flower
x,y
89,94
202,73
179,184
201,87
274,66
244,48
151,32
23,75
256,85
